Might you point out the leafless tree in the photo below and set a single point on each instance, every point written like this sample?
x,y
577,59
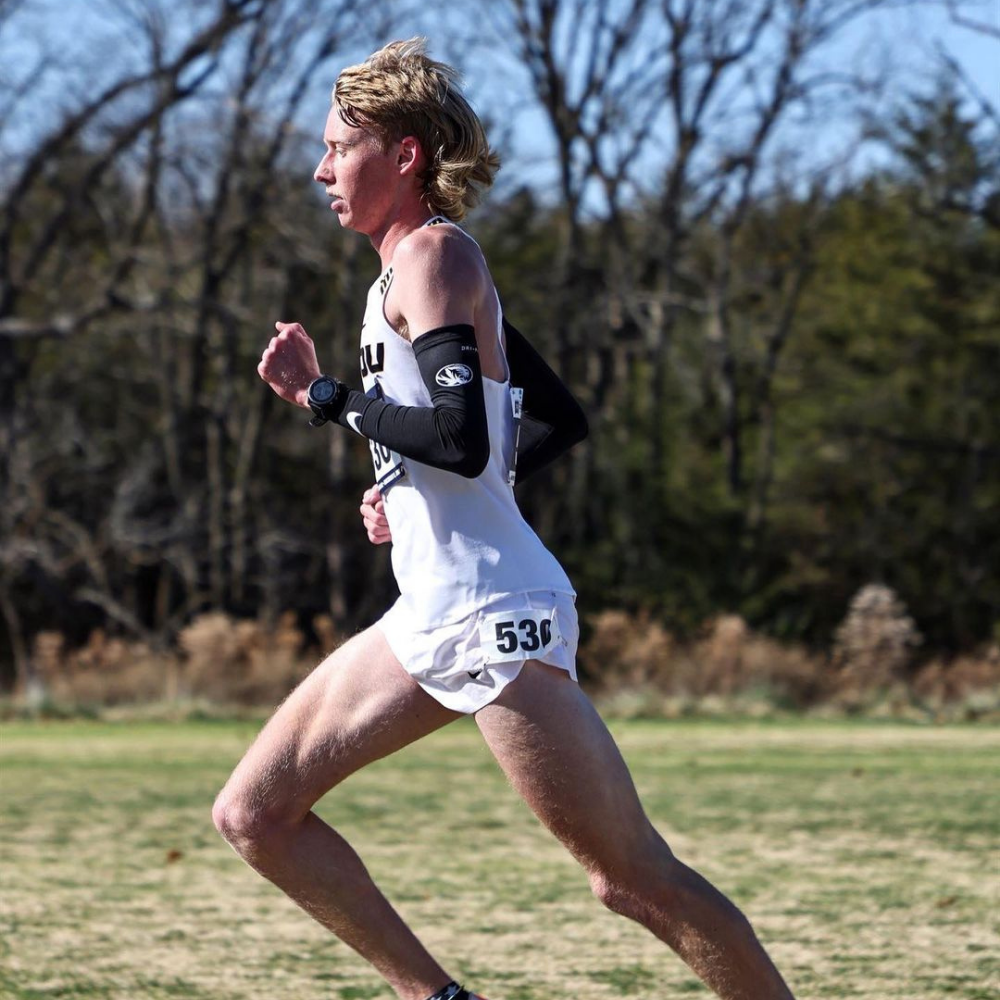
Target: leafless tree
x,y
162,211
668,117
974,16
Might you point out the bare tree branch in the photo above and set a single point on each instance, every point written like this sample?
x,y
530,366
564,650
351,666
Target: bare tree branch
x,y
990,30
987,109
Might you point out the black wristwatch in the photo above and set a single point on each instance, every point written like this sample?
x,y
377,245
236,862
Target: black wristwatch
x,y
323,396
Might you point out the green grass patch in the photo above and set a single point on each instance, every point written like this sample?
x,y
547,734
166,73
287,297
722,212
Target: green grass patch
x,y
865,854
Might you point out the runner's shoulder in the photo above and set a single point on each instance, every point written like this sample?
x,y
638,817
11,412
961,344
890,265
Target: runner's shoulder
x,y
439,253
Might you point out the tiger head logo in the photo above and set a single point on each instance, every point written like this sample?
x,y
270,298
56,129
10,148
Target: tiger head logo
x,y
451,376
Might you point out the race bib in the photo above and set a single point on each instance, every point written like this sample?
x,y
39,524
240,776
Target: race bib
x,y
518,635
388,463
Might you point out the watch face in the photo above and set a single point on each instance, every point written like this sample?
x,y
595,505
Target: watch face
x,y
323,390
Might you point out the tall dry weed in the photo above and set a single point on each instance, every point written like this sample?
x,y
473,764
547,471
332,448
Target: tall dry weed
x,y
103,671
626,651
219,659
240,660
970,684
636,664
875,643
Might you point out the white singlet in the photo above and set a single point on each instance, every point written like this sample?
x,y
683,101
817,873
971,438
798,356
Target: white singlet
x,y
460,547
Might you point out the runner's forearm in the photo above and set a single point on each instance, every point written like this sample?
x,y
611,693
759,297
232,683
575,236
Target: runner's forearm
x,y
553,420
452,433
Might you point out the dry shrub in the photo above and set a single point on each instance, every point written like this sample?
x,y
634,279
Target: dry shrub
x,y
240,660
735,659
104,671
639,668
100,652
722,654
874,644
326,632
969,681
220,659
625,650
722,661
634,653
47,655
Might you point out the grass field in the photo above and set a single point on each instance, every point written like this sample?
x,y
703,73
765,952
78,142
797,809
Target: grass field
x,y
866,855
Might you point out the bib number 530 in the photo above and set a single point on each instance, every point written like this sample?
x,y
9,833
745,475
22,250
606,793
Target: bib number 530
x,y
528,634
517,635
388,465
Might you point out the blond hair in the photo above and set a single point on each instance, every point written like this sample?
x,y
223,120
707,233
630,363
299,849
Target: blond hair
x,y
399,91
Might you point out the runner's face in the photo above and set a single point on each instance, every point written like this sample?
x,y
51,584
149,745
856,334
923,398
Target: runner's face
x,y
358,176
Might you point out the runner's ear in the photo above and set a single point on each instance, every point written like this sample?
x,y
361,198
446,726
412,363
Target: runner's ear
x,y
410,156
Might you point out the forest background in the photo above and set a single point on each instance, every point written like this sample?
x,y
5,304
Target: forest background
x,y
760,239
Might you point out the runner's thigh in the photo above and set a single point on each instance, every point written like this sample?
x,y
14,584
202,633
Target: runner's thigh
x,y
358,705
558,754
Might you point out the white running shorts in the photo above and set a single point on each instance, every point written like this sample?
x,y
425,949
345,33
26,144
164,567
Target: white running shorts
x,y
465,664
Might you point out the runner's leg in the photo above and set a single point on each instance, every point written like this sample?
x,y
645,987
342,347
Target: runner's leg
x,y
358,705
560,757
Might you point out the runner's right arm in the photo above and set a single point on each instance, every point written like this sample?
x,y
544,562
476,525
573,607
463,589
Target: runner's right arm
x,y
553,421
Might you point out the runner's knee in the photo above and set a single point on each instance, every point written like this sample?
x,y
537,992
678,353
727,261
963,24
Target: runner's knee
x,y
608,889
250,827
628,886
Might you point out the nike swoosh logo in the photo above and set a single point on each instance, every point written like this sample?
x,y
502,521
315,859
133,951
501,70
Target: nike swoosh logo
x,y
354,419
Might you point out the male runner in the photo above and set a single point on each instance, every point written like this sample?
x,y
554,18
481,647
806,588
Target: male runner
x,y
485,623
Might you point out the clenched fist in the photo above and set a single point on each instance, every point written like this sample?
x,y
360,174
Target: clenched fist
x,y
373,516
288,364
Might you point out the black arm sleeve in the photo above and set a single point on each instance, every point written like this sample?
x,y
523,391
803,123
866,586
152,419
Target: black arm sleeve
x,y
553,421
452,433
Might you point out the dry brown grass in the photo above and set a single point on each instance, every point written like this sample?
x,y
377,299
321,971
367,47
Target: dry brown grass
x,y
104,671
728,658
876,641
219,659
635,664
641,669
241,661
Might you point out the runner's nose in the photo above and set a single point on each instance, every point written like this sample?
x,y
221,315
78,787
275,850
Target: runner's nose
x,y
323,174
